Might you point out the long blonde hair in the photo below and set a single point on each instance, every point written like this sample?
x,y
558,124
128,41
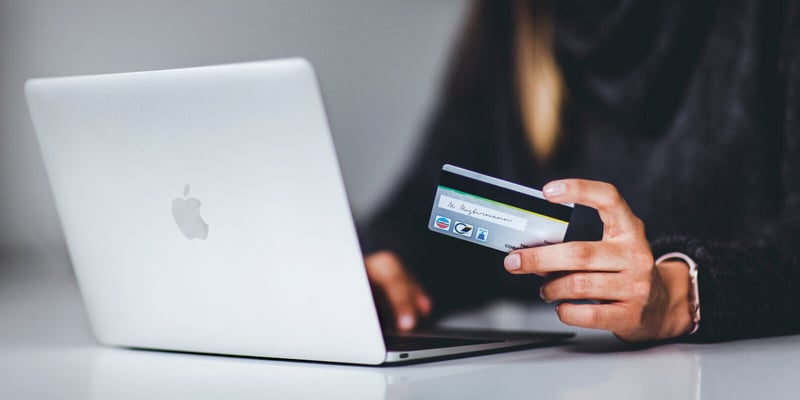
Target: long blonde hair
x,y
540,84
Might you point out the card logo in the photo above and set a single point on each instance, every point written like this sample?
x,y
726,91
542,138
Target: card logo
x,y
442,223
463,228
482,234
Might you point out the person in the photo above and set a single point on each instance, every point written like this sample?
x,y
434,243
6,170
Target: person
x,y
679,122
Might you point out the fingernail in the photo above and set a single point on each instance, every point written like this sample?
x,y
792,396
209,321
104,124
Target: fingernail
x,y
557,306
554,189
512,262
541,292
405,322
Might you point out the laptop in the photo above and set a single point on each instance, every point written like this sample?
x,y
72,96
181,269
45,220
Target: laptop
x,y
204,211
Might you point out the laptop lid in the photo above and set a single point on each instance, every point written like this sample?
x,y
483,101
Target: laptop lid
x,y
204,211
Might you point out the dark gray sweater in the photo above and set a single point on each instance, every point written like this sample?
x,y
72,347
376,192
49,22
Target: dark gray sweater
x,y
691,108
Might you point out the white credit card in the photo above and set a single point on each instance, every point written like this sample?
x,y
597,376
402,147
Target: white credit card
x,y
495,213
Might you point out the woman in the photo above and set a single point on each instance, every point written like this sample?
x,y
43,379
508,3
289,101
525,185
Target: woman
x,y
678,121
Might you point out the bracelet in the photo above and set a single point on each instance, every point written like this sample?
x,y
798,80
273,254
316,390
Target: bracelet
x,y
694,301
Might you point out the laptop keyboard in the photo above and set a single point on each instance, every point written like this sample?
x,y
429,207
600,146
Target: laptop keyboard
x,y
411,343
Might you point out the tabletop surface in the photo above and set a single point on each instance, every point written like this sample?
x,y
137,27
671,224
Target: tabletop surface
x,y
47,351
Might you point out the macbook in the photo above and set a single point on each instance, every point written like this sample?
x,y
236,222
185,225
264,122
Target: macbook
x,y
204,211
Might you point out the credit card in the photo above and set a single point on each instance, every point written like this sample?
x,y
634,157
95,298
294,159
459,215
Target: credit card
x,y
495,213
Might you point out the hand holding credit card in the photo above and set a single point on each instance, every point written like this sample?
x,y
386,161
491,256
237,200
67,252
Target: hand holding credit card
x,y
498,214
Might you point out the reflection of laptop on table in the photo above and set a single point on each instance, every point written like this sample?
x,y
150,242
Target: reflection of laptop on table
x,y
205,212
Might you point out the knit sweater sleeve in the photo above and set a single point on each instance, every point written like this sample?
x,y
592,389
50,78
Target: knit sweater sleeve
x,y
748,288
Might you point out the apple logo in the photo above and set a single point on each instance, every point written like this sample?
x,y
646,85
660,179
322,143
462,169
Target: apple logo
x,y
186,211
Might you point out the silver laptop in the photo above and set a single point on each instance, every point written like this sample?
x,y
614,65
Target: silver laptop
x,y
204,211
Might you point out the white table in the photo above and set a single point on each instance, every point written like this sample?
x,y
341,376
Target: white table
x,y
46,351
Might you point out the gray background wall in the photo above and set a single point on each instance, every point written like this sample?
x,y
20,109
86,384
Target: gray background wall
x,y
379,64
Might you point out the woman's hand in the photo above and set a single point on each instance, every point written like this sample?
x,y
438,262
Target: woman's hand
x,y
405,300
636,300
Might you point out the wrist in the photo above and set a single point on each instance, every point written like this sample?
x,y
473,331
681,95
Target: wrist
x,y
678,319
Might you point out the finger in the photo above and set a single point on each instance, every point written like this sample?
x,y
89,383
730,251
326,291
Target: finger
x,y
570,256
402,303
586,286
424,304
594,316
604,197
383,267
404,296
